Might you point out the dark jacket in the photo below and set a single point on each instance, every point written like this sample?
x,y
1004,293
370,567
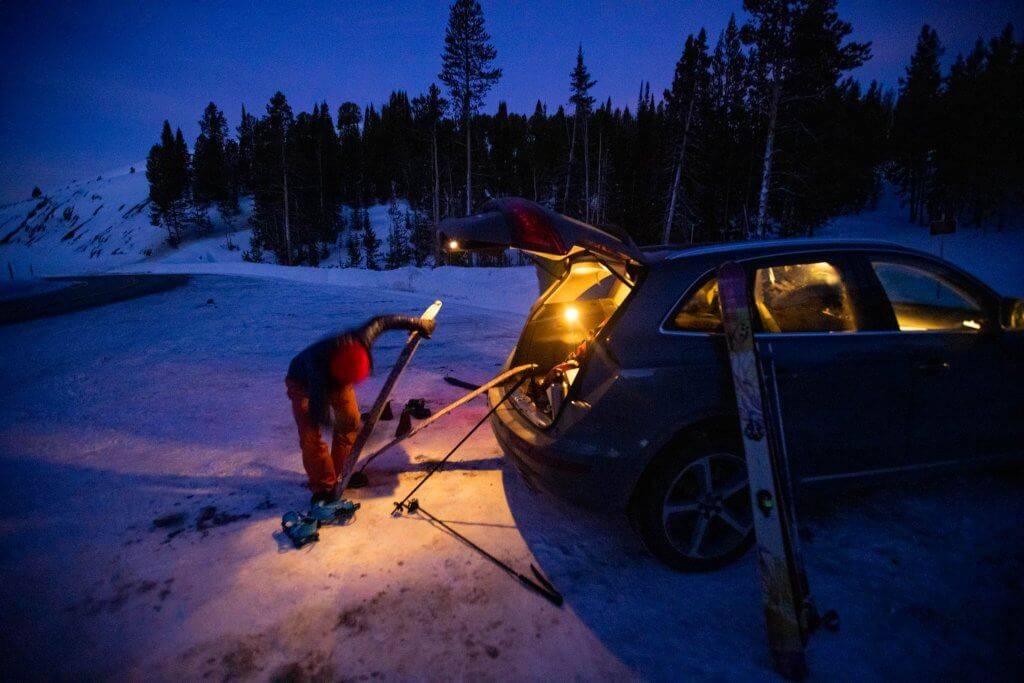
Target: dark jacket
x,y
312,366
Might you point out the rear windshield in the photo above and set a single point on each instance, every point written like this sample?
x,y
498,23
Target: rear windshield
x,y
589,282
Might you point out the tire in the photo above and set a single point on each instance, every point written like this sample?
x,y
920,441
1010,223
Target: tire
x,y
682,524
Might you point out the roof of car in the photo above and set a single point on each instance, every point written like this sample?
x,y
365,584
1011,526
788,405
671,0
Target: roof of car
x,y
750,248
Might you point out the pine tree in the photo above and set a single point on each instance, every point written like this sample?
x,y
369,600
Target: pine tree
x,y
728,137
799,51
915,130
999,180
580,84
467,69
246,139
168,175
354,241
421,237
351,154
398,239
686,104
429,110
272,208
371,245
209,164
232,178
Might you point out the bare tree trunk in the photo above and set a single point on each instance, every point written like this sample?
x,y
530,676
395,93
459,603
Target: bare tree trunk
x,y
599,214
320,183
437,196
769,149
586,169
671,213
287,224
568,168
469,168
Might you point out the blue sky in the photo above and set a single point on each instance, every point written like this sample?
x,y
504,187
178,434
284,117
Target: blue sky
x,y
85,86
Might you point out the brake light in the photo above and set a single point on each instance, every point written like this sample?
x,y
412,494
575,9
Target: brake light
x,y
531,227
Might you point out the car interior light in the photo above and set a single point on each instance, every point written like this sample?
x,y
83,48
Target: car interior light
x,y
572,314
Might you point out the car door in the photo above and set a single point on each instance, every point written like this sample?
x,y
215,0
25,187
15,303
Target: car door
x,y
843,389
966,403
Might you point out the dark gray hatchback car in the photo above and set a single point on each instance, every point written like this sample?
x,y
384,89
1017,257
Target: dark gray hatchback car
x,y
887,360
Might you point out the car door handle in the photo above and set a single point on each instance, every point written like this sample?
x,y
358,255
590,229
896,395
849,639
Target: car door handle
x,y
933,366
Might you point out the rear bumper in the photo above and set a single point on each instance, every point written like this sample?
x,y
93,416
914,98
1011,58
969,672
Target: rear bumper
x,y
565,467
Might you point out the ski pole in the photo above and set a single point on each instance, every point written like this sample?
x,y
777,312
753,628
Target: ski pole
x,y
399,506
466,398
543,588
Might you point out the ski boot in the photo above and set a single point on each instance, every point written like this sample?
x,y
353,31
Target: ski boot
x,y
300,528
337,511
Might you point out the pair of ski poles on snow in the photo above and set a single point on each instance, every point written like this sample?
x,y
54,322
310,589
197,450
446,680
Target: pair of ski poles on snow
x,y
409,505
539,584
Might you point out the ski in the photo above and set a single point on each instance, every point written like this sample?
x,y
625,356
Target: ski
x,y
383,397
477,391
783,584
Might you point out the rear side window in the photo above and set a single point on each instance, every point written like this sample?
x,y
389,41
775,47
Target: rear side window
x,y
699,312
924,300
804,297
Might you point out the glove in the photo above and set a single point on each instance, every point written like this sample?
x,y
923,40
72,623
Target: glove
x,y
426,327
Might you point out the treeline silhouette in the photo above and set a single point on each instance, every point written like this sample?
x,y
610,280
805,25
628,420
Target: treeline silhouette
x,y
761,134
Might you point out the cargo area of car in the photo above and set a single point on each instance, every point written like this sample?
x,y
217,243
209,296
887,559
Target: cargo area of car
x,y
566,318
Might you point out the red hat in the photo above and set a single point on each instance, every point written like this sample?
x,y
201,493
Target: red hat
x,y
350,363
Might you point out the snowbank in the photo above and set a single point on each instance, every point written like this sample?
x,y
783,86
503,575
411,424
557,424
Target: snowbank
x,y
502,289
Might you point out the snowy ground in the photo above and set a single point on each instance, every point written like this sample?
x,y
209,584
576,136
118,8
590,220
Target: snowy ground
x,y
147,453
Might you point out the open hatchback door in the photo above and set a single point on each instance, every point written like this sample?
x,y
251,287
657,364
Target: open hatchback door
x,y
589,275
517,223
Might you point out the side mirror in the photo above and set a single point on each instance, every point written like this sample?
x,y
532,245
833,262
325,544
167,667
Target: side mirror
x,y
1011,313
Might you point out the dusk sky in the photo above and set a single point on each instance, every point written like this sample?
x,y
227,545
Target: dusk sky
x,y
86,85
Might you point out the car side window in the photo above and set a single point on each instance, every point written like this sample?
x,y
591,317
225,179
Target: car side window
x,y
804,297
699,312
924,300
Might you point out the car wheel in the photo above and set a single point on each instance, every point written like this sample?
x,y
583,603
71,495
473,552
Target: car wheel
x,y
692,507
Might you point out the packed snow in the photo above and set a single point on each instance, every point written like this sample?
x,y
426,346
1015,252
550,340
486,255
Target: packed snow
x,y
147,452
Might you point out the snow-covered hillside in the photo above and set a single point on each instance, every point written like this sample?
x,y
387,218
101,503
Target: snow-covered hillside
x,y
103,224
88,226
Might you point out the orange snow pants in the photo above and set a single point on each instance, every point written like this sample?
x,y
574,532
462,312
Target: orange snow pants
x,y
323,466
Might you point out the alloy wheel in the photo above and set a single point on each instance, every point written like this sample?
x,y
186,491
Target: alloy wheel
x,y
706,512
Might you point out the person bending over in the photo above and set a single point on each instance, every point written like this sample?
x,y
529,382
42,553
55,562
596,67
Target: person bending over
x,y
321,379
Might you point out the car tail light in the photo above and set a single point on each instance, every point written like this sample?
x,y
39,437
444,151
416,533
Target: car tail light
x,y
531,227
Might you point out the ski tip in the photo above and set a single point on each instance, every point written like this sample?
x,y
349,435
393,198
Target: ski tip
x,y
432,310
